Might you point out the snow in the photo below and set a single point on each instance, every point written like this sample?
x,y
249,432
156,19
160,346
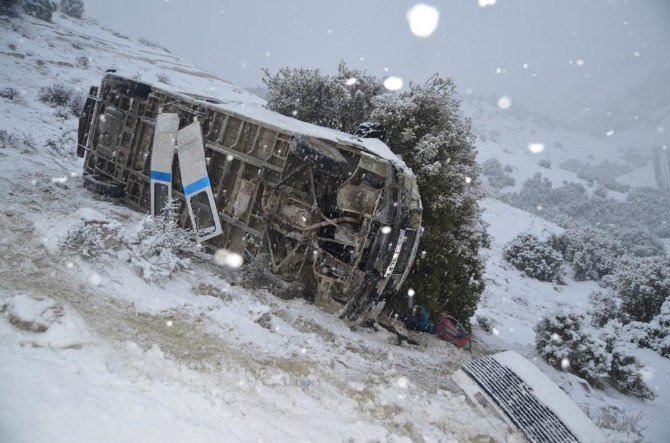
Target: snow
x,y
190,357
196,356
393,83
423,19
504,102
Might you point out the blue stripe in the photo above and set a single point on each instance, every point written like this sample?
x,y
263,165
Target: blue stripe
x,y
162,176
197,185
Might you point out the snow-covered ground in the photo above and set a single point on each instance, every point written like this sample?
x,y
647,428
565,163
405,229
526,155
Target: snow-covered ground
x,y
91,351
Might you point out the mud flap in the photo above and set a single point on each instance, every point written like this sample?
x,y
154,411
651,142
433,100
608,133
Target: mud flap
x,y
162,156
197,188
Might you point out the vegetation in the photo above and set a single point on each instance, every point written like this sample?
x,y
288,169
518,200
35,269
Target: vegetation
x,y
425,128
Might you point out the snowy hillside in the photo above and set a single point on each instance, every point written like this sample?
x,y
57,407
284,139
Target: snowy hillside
x,y
94,352
192,358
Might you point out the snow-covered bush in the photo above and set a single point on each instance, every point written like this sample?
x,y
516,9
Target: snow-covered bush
x,y
625,373
156,246
535,258
592,253
20,142
497,176
10,93
642,285
654,335
424,126
639,242
604,306
93,239
62,97
342,101
40,9
544,163
570,205
9,6
625,422
565,342
73,8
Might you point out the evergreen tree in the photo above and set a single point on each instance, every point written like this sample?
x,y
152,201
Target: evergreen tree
x,y
425,128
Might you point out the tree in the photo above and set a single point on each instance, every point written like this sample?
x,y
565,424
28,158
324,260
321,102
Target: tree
x,y
425,128
73,8
40,9
342,101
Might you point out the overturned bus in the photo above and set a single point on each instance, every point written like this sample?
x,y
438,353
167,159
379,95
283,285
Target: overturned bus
x,y
337,215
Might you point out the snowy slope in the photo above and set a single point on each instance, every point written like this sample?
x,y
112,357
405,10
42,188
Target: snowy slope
x,y
506,133
124,360
91,351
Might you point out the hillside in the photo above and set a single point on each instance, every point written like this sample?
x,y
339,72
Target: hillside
x,y
93,351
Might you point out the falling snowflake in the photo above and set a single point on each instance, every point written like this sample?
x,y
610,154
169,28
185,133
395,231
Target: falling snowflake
x,y
410,292
402,382
294,112
565,363
535,148
525,66
69,264
351,81
504,102
468,180
95,279
385,230
485,3
580,62
169,323
393,83
609,133
423,19
223,257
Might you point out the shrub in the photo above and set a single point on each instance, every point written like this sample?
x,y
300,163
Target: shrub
x,y
156,246
544,163
564,343
642,285
625,373
8,6
425,128
534,258
639,242
498,177
21,142
336,101
592,252
82,62
570,205
604,306
10,93
61,96
659,331
40,9
73,8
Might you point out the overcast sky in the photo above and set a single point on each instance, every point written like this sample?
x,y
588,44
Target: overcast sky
x,y
484,49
